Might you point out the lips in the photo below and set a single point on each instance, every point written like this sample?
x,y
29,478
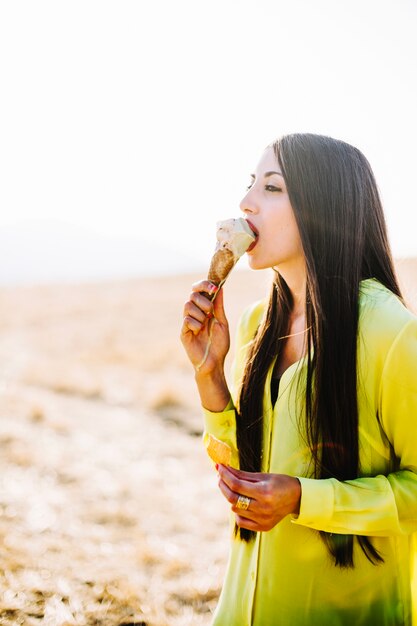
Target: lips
x,y
255,232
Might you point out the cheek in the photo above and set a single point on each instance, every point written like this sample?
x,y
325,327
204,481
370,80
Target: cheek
x,y
284,228
297,238
292,230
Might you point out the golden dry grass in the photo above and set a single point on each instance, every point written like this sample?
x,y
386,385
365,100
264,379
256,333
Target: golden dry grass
x,y
109,507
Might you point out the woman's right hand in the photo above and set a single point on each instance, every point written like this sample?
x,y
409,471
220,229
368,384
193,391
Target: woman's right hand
x,y
205,330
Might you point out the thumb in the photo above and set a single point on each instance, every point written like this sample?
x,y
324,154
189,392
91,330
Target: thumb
x,y
218,308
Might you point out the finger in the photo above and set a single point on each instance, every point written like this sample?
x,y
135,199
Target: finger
x,y
205,286
252,477
191,309
218,309
190,325
242,506
230,495
245,522
202,302
239,485
233,498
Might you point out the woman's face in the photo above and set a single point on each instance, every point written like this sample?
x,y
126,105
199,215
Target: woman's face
x,y
267,207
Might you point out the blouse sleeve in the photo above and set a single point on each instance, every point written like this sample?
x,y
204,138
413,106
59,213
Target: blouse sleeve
x,y
380,505
223,424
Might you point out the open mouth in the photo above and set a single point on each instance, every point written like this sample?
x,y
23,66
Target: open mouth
x,y
256,233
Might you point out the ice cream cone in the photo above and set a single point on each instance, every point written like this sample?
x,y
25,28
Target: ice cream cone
x,y
234,236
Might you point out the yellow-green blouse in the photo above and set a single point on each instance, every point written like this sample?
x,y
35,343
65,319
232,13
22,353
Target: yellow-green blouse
x,y
286,576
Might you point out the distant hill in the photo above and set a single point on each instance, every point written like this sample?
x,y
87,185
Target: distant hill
x,y
53,251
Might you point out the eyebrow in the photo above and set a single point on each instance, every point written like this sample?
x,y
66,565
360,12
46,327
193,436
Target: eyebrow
x,y
269,174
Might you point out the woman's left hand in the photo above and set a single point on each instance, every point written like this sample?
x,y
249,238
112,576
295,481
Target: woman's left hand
x,y
272,497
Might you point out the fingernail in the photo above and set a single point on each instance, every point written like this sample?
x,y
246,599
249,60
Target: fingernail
x,y
217,466
213,288
209,315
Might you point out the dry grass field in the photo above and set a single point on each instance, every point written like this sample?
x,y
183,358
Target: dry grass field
x,y
109,510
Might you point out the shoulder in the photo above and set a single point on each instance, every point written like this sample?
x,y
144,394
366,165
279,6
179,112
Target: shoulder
x,y
382,311
247,326
384,322
249,321
387,361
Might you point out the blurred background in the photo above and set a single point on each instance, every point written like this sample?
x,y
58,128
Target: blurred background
x,y
127,129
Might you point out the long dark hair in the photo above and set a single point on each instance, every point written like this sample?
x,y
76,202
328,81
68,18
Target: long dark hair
x,y
338,210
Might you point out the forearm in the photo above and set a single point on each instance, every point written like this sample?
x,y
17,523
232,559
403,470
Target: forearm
x,y
379,505
213,390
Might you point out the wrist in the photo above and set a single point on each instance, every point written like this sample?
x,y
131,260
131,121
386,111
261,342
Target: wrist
x,y
213,377
297,497
213,390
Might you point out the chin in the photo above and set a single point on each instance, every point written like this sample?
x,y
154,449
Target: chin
x,y
252,263
257,264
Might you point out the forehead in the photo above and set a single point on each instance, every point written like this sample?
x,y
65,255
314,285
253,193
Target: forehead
x,y
268,162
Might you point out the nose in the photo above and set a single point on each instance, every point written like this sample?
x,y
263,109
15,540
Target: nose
x,y
248,204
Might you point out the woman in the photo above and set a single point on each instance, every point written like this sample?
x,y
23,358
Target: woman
x,y
322,417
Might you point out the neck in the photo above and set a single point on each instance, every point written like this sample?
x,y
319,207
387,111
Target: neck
x,y
296,279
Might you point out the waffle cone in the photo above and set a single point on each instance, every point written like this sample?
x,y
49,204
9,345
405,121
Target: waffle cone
x,y
219,451
222,263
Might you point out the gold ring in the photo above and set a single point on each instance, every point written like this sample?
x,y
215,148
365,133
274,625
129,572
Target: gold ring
x,y
242,503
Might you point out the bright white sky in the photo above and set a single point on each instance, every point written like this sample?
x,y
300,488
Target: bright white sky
x,y
144,119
